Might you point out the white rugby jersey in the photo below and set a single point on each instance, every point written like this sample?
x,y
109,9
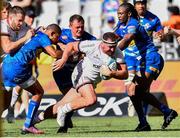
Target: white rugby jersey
x,y
14,35
87,70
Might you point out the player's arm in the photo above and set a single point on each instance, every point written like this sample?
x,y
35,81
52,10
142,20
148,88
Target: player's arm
x,y
61,45
125,41
50,50
70,48
121,73
9,47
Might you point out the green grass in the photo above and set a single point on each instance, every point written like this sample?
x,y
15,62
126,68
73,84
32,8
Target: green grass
x,y
98,127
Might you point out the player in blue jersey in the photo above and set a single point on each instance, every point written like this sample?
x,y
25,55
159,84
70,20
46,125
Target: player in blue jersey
x,y
145,63
152,26
14,32
62,77
16,70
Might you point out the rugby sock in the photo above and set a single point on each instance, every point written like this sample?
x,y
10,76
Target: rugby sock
x,y
32,109
145,108
164,109
151,99
66,108
14,97
139,110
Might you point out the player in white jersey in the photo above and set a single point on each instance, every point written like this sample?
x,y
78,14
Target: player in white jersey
x,y
87,72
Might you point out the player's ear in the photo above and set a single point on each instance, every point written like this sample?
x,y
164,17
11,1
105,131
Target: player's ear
x,y
129,14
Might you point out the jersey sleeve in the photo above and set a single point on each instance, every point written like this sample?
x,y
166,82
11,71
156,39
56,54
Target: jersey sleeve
x,y
132,28
86,46
45,41
4,28
158,25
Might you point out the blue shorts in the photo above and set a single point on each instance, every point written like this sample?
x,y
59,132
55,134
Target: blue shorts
x,y
152,63
14,73
132,63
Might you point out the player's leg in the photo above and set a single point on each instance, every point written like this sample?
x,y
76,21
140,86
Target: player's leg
x,y
154,65
37,92
87,98
15,95
63,80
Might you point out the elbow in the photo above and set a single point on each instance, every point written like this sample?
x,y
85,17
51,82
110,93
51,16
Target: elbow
x,y
7,50
125,75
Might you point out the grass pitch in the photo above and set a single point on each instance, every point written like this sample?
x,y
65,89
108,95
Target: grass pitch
x,y
97,127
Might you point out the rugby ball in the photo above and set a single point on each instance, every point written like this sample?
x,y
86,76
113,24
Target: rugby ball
x,y
111,63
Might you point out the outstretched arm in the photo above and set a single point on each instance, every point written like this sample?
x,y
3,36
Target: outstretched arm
x,y
71,48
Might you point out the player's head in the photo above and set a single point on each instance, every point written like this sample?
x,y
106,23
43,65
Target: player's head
x,y
30,15
142,1
4,9
125,11
53,31
16,17
76,24
140,6
109,43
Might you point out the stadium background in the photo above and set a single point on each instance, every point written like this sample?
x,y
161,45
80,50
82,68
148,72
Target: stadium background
x,y
169,81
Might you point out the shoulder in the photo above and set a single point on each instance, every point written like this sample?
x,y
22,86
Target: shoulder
x,y
66,34
133,21
151,15
88,36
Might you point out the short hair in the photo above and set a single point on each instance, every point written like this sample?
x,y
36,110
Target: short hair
x,y
77,17
6,5
16,10
110,35
55,28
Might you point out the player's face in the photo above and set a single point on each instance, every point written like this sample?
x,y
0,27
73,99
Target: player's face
x,y
77,28
108,49
29,20
4,14
122,15
54,38
16,21
140,8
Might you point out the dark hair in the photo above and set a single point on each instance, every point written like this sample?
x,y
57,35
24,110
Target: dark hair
x,y
6,5
55,28
16,10
30,11
130,8
143,1
77,17
110,35
174,10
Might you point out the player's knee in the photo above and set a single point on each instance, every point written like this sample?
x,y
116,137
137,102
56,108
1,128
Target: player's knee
x,y
130,90
91,101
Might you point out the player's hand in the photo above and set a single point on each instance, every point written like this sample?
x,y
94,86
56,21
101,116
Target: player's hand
x,y
167,30
30,33
58,64
158,35
104,70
